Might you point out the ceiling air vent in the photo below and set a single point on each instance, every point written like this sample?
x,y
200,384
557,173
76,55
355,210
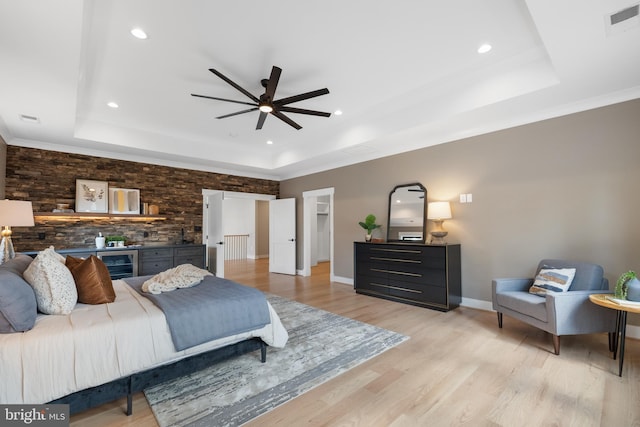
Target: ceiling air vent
x,y
623,20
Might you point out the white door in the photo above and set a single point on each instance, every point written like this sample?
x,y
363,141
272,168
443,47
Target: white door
x,y
282,236
215,237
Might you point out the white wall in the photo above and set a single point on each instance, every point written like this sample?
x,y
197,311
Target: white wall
x,y
322,229
240,218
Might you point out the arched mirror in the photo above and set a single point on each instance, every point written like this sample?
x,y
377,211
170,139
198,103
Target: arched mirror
x,y
407,213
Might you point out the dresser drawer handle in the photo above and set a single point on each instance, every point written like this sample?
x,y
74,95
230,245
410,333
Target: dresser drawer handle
x,y
395,287
410,261
402,273
407,251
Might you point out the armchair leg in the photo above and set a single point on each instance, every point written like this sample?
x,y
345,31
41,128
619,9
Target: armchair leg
x,y
499,320
556,344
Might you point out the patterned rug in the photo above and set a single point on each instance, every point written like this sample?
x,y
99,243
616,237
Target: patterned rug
x,y
321,346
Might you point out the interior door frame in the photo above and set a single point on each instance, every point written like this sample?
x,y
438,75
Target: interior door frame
x,y
227,194
310,197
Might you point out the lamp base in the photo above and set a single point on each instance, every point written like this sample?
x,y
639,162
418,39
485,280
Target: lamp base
x,y
437,237
438,233
6,249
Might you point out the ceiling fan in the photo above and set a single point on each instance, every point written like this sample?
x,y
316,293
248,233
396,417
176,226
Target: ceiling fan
x,y
267,104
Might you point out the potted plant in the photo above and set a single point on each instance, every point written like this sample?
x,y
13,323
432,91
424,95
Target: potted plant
x,y
628,286
369,224
118,241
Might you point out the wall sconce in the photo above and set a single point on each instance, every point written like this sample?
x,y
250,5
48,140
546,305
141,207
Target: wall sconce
x,y
13,213
438,212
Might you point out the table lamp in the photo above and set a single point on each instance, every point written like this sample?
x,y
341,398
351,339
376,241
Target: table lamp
x,y
13,213
438,212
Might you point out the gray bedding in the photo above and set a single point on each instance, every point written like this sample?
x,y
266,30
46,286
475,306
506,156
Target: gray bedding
x,y
213,309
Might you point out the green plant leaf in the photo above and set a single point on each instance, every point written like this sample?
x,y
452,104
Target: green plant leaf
x,y
621,284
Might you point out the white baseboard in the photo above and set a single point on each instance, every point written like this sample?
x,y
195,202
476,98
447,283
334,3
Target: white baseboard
x,y
477,303
340,279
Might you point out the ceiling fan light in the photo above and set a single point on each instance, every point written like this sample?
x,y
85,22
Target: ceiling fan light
x,y
265,108
484,48
139,33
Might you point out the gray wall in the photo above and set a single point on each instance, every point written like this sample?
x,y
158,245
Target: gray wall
x,y
565,187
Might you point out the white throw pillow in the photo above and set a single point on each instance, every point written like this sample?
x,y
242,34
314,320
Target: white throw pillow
x,y
552,280
52,283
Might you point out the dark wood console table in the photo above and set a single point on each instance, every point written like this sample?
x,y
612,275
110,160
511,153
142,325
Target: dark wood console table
x,y
424,275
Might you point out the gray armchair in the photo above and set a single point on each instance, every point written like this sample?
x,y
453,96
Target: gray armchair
x,y
559,313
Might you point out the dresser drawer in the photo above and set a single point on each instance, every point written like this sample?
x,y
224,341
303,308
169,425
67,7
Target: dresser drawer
x,y
154,266
376,284
192,251
430,294
198,260
155,253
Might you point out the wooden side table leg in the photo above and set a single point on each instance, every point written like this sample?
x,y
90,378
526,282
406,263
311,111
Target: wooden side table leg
x,y
623,332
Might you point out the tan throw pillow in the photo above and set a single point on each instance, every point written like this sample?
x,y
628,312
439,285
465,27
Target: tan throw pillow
x,y
93,281
52,283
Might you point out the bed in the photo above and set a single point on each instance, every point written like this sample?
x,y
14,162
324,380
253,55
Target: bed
x,y
100,352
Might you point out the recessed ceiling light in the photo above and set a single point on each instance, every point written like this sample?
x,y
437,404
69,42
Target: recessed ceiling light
x,y
484,48
112,104
29,119
139,33
270,142
338,112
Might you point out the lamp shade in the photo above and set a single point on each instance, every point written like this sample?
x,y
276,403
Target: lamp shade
x,y
16,213
438,210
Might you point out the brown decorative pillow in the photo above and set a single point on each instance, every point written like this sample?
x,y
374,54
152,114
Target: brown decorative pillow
x,y
92,280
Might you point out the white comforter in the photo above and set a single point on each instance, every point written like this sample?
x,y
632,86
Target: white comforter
x,y
96,344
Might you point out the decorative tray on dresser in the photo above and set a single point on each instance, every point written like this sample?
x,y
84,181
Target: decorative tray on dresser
x,y
417,274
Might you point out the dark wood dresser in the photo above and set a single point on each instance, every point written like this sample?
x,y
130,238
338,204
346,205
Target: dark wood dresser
x,y
423,275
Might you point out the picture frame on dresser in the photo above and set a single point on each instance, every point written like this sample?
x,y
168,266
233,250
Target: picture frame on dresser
x,y
92,196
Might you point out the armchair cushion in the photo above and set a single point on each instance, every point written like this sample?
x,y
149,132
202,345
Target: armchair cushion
x,y
552,279
525,303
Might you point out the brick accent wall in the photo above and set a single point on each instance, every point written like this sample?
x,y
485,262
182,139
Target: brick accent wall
x,y
47,178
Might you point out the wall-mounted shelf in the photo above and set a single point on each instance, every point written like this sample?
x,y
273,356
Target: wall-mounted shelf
x,y
96,215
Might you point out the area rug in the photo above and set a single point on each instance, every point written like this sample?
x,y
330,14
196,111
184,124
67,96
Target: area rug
x,y
321,346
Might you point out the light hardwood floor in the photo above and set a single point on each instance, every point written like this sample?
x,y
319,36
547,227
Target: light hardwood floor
x,y
457,369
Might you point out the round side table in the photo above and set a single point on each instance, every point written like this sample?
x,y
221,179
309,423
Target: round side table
x,y
622,308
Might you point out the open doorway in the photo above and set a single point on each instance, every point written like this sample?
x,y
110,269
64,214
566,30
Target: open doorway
x,y
318,230
235,228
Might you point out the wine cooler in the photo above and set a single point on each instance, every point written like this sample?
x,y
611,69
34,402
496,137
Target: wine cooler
x,y
120,263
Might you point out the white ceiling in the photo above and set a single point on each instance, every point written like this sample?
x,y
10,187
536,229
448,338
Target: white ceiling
x,y
406,74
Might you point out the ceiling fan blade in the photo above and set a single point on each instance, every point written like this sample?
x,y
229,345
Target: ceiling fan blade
x,y
239,112
222,99
303,111
261,119
273,82
301,97
286,119
226,79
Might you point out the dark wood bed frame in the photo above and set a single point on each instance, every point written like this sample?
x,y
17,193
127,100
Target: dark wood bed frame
x,y
127,386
